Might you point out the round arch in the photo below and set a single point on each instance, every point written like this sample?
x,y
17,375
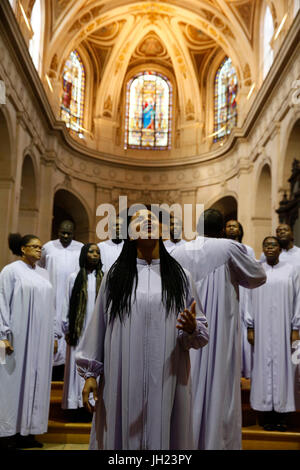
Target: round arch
x,y
67,205
289,152
227,205
28,211
262,220
6,184
5,148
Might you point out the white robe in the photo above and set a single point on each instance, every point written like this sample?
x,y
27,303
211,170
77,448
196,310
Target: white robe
x,y
247,349
218,266
109,252
171,245
273,311
60,262
291,256
144,395
27,317
73,383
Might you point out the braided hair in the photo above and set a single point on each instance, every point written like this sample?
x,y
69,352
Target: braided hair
x,y
122,280
78,301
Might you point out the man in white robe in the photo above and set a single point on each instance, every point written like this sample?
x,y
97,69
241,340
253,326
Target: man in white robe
x,y
110,249
290,253
175,234
61,258
234,231
273,320
218,267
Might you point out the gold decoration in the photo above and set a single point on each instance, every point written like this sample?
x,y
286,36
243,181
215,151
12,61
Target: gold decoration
x,y
189,110
108,104
54,63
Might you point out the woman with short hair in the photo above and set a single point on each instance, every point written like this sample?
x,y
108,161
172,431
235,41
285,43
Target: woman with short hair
x,y
27,333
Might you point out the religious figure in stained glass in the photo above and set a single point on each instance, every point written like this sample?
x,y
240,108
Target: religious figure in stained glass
x,y
226,88
148,112
72,100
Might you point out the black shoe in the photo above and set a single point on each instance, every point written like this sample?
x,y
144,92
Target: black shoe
x,y
269,427
281,427
8,443
28,442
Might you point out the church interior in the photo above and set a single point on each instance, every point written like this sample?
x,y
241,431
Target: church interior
x,y
165,102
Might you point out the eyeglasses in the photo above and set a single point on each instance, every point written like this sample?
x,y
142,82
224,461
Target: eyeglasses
x,y
35,247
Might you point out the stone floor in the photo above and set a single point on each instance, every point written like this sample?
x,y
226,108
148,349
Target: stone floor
x,y
54,446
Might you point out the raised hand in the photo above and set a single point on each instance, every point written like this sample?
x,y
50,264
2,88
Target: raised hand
x,y
187,319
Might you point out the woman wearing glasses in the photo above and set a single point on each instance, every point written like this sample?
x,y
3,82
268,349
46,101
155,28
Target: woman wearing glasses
x,y
26,341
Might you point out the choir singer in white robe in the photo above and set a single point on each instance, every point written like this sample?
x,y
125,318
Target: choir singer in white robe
x,y
61,258
273,320
139,345
111,249
234,231
27,319
218,267
79,304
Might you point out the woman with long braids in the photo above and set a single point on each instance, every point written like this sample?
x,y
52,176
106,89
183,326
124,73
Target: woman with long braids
x,y
138,343
27,319
83,287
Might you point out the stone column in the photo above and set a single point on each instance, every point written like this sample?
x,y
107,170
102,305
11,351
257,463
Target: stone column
x,y
46,196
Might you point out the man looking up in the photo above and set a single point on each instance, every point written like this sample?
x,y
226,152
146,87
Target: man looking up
x,y
110,249
175,234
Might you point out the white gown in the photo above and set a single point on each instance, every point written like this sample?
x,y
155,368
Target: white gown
x,y
273,310
171,245
247,349
60,262
73,383
27,317
218,267
144,367
109,252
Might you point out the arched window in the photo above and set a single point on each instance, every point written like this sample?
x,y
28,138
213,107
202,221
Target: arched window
x,y
226,88
72,101
148,112
35,41
267,53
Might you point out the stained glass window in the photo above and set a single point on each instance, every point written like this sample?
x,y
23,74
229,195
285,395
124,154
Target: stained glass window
x,y
35,41
267,49
72,101
226,88
148,112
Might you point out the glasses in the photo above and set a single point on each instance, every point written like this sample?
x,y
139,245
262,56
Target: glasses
x,y
35,247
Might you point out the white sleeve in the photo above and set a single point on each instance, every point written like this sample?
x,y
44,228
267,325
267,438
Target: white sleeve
x,y
66,303
7,284
246,271
296,302
199,337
